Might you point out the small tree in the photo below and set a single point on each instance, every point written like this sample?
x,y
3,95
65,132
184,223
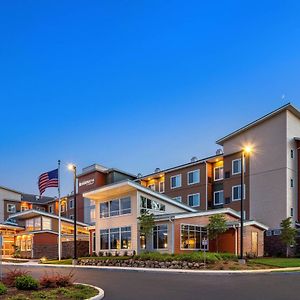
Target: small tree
x,y
146,221
288,234
217,225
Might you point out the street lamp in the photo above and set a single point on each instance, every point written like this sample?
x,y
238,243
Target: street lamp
x,y
72,168
246,150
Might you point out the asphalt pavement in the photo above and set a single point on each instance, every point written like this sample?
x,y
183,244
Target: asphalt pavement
x,y
131,285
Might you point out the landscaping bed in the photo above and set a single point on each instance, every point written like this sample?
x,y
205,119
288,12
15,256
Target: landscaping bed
x,y
20,285
192,261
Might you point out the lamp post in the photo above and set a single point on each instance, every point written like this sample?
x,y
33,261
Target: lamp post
x,y
72,168
246,150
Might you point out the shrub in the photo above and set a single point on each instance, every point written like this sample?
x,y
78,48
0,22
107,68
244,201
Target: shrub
x,y
26,282
100,254
10,277
3,289
56,280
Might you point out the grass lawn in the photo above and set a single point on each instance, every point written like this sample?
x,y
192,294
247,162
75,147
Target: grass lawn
x,y
58,262
278,262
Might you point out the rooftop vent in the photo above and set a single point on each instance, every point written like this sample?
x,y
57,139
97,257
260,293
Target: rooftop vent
x,y
194,158
157,170
37,197
139,175
219,152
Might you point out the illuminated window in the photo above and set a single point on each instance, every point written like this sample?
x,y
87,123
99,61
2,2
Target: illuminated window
x,y
28,244
192,237
160,236
46,223
218,173
104,239
161,187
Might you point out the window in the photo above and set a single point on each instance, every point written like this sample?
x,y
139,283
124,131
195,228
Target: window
x,y
23,208
115,238
269,233
193,177
104,210
236,192
47,223
160,236
125,206
194,200
218,173
192,237
175,181
51,210
23,245
292,182
178,198
72,217
218,197
28,244
71,203
115,207
151,186
147,204
161,187
29,224
104,239
292,153
236,166
125,237
94,242
63,207
11,208
292,212
37,223
276,231
93,214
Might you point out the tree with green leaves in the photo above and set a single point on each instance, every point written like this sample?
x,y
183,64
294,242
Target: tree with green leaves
x,y
217,225
146,222
288,234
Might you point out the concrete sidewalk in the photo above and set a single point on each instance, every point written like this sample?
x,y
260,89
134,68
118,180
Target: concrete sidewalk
x,y
260,271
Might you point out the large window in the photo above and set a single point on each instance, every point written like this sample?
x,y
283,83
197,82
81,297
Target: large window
x,y
104,239
37,224
218,173
115,238
175,181
194,200
236,166
115,207
218,197
236,192
192,237
193,177
46,223
160,236
147,204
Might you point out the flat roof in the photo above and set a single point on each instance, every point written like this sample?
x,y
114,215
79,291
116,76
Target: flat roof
x,y
273,113
141,188
9,189
191,163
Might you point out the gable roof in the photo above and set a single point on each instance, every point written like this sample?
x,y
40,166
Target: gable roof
x,y
36,199
270,115
141,188
33,212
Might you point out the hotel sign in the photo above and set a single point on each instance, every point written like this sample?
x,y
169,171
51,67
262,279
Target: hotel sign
x,y
87,182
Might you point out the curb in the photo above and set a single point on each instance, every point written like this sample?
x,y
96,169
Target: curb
x,y
219,272
100,291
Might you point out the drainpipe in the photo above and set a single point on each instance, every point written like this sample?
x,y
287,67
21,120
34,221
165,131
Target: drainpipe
x,y
235,240
172,235
206,186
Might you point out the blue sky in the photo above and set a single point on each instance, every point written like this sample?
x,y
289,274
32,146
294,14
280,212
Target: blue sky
x,y
136,84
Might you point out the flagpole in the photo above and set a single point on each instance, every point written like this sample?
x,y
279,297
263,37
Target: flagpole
x,y
59,214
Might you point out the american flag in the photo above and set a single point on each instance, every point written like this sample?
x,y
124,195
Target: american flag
x,y
48,179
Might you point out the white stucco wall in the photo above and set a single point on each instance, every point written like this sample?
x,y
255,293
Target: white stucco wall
x,y
268,168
